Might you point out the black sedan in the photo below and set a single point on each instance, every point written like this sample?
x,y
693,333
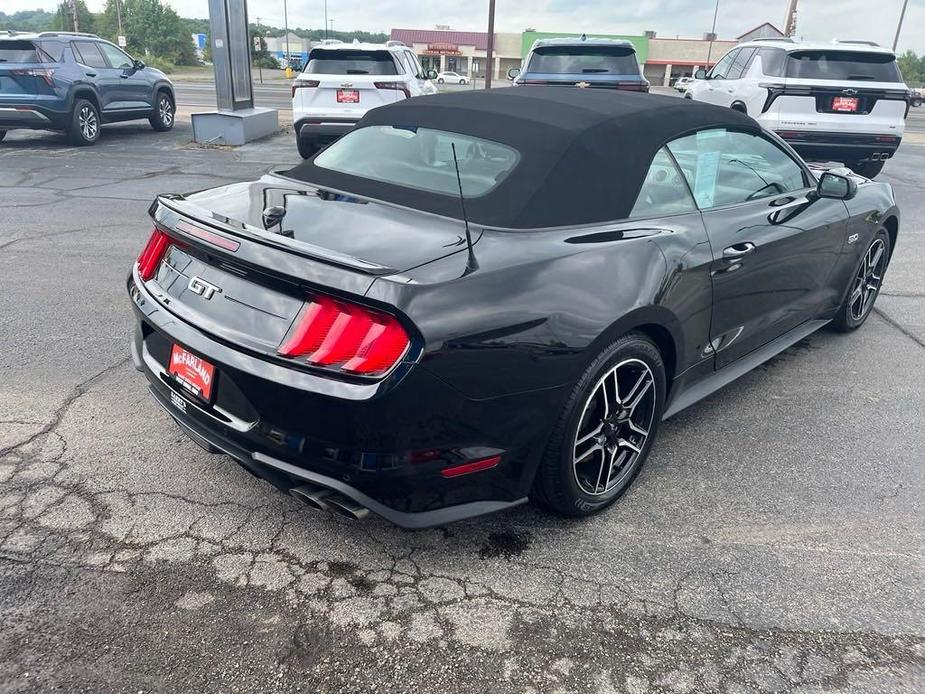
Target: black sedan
x,y
483,297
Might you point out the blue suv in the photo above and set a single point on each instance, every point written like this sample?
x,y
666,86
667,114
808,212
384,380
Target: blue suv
x,y
581,62
76,83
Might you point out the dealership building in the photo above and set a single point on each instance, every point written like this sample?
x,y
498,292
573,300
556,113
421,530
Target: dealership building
x,y
662,59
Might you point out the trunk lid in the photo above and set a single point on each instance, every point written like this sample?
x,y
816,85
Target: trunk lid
x,y
230,274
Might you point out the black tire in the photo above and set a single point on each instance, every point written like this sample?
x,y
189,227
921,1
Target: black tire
x,y
439,80
164,114
2,135
855,309
562,484
462,81
916,102
868,169
84,128
306,148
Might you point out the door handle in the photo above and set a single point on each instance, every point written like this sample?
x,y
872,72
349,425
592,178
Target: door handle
x,y
91,74
738,250
123,76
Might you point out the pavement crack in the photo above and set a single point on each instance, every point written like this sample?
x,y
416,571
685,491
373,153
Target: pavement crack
x,y
908,333
76,393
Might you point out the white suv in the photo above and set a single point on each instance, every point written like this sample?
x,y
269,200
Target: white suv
x,y
843,101
342,81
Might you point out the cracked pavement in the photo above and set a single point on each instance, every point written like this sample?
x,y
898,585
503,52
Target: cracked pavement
x,y
773,542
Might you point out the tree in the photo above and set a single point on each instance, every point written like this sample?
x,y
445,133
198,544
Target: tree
x,y
107,23
64,18
912,66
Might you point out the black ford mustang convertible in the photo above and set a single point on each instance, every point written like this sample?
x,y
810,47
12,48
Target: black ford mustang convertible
x,y
477,298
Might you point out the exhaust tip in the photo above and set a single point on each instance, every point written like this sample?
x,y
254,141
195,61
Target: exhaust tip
x,y
348,508
313,497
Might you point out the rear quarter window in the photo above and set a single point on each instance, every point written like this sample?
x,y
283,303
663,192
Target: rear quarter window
x,y
843,65
576,60
353,62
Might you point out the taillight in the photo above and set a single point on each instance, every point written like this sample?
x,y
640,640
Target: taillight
x,y
397,86
46,74
152,254
346,337
304,84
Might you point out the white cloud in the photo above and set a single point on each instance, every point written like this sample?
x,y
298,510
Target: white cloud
x,y
819,20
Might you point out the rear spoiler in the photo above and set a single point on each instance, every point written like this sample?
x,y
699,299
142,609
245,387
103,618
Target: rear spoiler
x,y
201,217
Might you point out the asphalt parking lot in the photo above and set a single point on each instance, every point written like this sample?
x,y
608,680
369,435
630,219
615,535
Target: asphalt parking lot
x,y
773,542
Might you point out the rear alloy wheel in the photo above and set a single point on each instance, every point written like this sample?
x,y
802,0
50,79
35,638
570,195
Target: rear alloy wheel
x,y
163,117
440,80
865,285
606,430
868,169
84,128
462,81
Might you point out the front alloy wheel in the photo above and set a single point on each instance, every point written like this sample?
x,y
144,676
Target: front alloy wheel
x,y
865,285
163,117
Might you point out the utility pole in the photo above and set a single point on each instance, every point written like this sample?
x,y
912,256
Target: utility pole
x,y
119,16
899,26
286,29
490,48
790,22
712,34
73,5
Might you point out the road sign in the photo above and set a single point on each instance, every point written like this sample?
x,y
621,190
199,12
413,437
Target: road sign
x,y
122,42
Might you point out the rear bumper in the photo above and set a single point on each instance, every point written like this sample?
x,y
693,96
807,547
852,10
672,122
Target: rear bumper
x,y
383,449
322,131
14,116
845,147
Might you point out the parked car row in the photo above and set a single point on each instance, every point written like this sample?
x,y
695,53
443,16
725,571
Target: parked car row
x,y
75,83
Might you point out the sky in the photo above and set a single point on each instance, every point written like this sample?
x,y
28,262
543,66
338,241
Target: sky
x,y
873,20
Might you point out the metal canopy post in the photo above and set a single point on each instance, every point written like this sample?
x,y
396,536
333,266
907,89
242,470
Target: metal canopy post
x,y
237,120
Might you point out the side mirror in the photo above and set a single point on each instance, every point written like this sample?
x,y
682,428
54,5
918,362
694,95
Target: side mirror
x,y
430,74
513,72
836,186
701,74
139,65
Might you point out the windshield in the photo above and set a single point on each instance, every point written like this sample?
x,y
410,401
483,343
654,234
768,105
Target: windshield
x,y
843,65
342,62
420,158
575,60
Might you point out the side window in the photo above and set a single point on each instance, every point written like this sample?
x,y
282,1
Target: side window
x,y
664,191
402,62
53,51
772,61
738,65
722,67
88,54
415,66
116,58
725,167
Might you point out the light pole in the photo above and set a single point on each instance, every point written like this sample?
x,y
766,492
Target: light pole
x,y
325,18
900,25
712,34
286,29
490,47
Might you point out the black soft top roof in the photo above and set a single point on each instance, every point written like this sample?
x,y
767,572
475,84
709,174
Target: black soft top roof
x,y
584,152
